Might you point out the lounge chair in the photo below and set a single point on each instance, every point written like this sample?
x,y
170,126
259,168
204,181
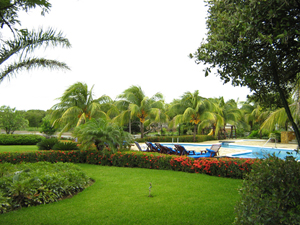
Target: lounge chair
x,y
165,149
213,151
139,147
152,147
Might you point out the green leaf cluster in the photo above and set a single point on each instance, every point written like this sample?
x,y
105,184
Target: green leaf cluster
x,y
270,193
26,184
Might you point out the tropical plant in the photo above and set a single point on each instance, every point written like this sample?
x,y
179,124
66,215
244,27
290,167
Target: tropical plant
x,y
76,106
101,133
226,113
47,143
254,44
279,117
11,119
24,43
9,10
195,108
133,102
47,128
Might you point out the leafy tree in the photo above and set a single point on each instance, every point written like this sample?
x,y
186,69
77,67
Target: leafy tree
x,y
195,108
35,117
76,106
14,53
135,103
47,128
255,44
101,133
11,120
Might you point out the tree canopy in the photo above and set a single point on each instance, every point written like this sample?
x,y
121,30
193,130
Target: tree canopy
x,y
256,44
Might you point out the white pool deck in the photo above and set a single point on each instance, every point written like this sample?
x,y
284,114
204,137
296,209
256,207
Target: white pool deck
x,y
230,151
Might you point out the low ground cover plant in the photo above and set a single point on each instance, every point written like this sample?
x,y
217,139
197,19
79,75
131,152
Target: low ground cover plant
x,y
29,184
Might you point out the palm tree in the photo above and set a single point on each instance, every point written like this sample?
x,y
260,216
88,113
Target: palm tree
x,y
25,43
195,110
229,113
102,133
134,103
76,106
279,117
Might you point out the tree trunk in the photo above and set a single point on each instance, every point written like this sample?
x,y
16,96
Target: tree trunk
x,y
286,107
129,126
142,130
195,130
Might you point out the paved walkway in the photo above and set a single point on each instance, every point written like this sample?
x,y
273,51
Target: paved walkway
x,y
229,151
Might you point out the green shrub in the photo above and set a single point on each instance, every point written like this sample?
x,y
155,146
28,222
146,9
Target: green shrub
x,y
270,193
20,139
230,167
184,138
47,143
65,146
28,184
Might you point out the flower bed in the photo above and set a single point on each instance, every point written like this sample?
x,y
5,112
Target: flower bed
x,y
222,167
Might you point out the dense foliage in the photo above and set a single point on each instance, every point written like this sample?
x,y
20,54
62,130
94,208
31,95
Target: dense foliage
x,y
26,184
232,167
47,143
65,146
270,193
101,133
12,120
183,138
255,43
20,139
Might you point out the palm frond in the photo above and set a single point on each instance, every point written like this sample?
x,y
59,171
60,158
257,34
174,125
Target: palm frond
x,y
29,64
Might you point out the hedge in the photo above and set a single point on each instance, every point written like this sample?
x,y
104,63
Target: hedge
x,y
20,139
222,167
184,138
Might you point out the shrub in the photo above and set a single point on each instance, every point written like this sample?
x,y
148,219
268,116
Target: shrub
x,y
47,143
65,146
20,139
28,184
270,193
184,138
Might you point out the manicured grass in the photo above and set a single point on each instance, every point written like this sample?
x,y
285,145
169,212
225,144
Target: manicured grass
x,y
120,196
18,148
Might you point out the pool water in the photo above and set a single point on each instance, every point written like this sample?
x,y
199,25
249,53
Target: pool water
x,y
252,151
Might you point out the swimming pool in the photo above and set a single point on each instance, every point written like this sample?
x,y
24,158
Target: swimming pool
x,y
250,151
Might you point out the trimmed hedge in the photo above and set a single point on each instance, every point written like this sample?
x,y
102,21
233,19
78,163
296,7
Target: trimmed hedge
x,y
185,138
20,139
222,167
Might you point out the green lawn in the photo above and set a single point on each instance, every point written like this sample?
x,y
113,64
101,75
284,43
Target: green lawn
x,y
120,196
18,148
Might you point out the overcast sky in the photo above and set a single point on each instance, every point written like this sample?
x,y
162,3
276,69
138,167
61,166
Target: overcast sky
x,y
117,44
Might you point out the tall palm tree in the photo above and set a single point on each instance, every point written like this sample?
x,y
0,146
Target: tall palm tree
x,y
14,54
195,110
135,103
280,118
76,106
